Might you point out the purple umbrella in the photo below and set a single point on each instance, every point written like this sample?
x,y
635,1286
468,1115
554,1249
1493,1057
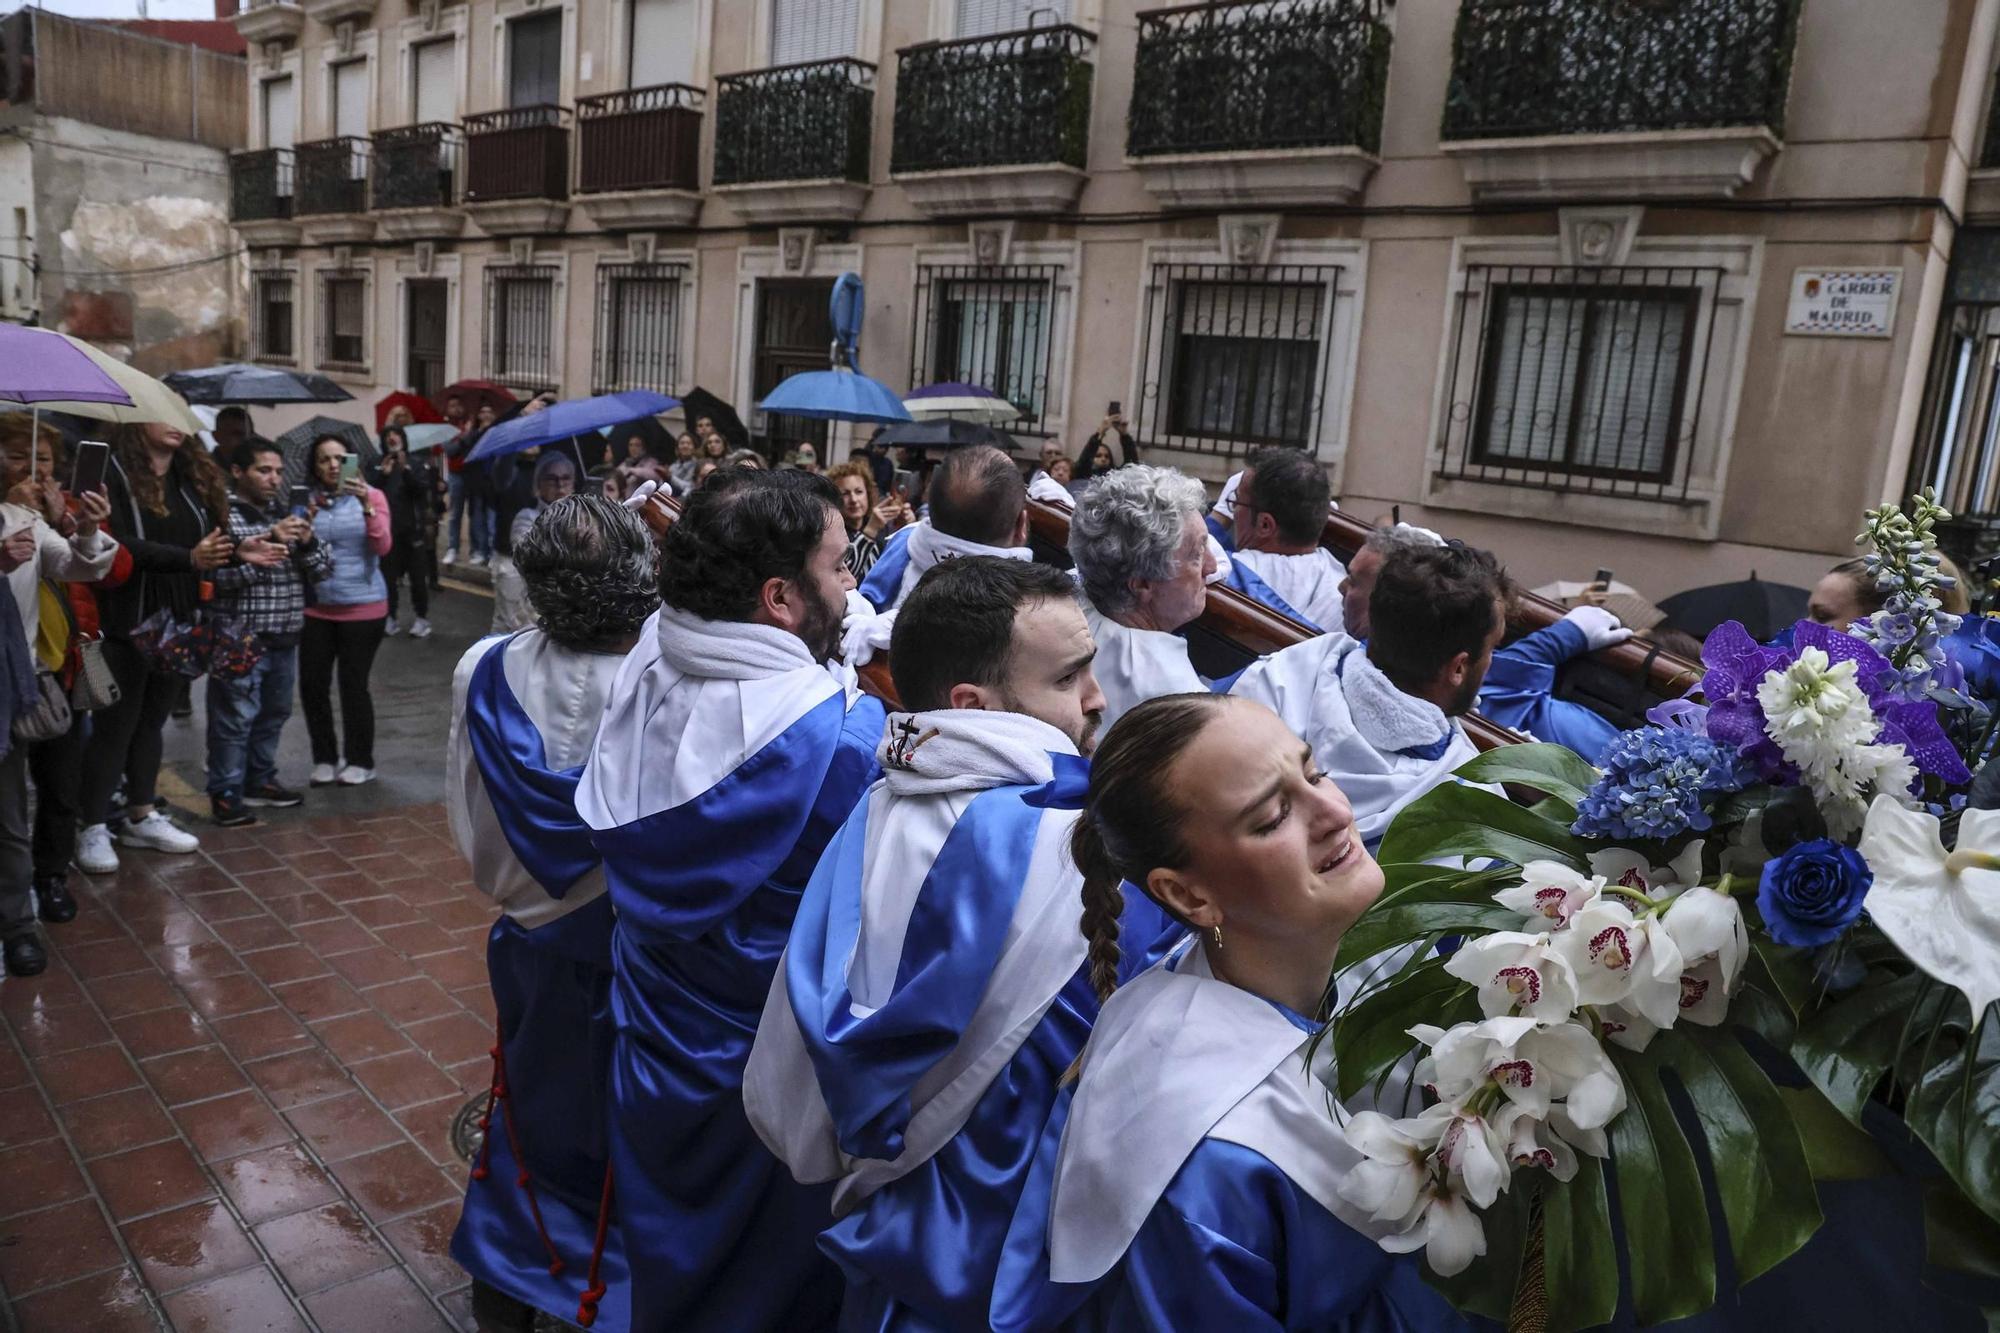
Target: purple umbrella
x,y
38,368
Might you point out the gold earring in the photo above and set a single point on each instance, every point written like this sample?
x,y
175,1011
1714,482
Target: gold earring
x,y
1216,931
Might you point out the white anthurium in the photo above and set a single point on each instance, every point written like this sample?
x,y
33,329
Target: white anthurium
x,y
1621,958
1448,1232
1941,909
1706,924
1628,869
1551,891
1393,1179
1623,1027
1517,974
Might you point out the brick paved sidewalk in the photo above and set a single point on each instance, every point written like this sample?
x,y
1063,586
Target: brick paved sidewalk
x,y
226,1105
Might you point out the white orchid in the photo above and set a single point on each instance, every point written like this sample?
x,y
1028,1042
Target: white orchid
x,y
1941,909
1533,1064
1517,974
1628,869
1622,958
1550,890
1448,1232
1624,1027
1533,1142
1473,1153
1392,1181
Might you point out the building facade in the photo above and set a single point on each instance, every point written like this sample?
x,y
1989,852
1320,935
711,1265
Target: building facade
x,y
114,187
1530,271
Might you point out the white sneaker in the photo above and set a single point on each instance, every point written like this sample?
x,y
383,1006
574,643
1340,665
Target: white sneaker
x,y
393,628
450,558
477,561
353,776
324,775
420,628
94,852
159,833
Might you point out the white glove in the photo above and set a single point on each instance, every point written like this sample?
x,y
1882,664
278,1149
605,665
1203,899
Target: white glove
x,y
1600,628
637,499
864,635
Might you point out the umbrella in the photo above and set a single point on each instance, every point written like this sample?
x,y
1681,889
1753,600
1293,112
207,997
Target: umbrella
x,y
835,395
567,419
149,399
698,402
1764,608
420,409
35,368
943,433
967,402
429,435
296,445
259,385
1620,599
475,392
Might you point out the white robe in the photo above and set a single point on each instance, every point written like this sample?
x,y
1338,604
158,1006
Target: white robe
x,y
1134,665
1360,726
1309,583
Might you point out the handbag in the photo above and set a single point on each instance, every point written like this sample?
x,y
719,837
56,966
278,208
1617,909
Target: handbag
x,y
94,687
234,650
50,717
172,645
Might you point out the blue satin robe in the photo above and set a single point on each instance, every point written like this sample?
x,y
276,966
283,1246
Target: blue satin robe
x,y
717,1234
885,576
1520,691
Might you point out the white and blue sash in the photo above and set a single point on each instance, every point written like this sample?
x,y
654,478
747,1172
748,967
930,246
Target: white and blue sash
x,y
1134,665
1309,583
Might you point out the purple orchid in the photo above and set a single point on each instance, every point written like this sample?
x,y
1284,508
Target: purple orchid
x,y
1737,664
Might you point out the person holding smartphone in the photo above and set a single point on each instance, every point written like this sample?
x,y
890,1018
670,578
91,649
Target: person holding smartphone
x,y
345,623
409,482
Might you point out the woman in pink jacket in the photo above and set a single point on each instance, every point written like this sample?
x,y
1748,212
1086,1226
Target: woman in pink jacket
x,y
345,623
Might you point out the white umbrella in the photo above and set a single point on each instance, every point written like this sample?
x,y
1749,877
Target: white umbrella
x,y
151,400
965,402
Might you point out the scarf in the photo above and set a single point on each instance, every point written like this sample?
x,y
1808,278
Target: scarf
x,y
728,649
1387,718
959,749
928,546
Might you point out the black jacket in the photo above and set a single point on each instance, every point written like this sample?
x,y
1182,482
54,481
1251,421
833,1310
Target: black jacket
x,y
162,549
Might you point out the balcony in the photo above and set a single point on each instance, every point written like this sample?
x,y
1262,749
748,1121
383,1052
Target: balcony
x,y
270,21
993,124
639,157
260,196
517,169
1260,102
335,12
332,199
791,143
1603,99
415,190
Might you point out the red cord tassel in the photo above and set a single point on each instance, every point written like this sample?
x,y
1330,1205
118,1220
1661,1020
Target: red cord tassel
x,y
479,1172
586,1310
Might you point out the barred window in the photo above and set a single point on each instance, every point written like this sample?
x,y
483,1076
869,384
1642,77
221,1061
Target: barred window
x,y
1236,356
271,318
638,327
343,316
520,326
991,326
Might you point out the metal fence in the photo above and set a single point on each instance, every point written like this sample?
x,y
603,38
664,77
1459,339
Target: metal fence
x,y
640,139
521,153
415,166
992,326
332,176
521,326
260,185
796,122
1580,379
638,327
993,101
1236,356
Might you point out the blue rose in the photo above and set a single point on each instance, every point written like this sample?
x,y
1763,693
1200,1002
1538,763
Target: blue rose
x,y
1813,893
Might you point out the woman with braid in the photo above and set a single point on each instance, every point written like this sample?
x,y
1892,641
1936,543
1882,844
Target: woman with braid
x,y
1189,1179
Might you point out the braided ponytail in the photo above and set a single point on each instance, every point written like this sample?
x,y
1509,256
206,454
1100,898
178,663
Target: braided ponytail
x,y
1103,904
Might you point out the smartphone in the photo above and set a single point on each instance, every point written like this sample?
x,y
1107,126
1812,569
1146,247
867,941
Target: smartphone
x,y
1117,409
88,474
1603,578
906,482
301,498
350,468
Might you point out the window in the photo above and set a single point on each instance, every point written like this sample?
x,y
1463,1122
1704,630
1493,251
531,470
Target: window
x,y
271,318
1236,356
534,60
803,30
343,317
280,123
350,99
663,43
982,18
434,68
991,326
638,327
520,326
1578,378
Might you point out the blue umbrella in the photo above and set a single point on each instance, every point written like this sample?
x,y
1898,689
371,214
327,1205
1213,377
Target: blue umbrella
x,y
577,417
836,395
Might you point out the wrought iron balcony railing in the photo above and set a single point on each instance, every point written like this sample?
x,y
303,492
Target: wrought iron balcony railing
x,y
1524,68
520,153
1011,99
260,185
1249,74
795,122
332,176
416,166
641,139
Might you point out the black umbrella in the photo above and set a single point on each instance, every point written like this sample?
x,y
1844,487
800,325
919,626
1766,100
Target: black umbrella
x,y
296,445
942,433
698,402
257,385
1763,608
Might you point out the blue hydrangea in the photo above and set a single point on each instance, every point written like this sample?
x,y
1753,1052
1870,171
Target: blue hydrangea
x,y
1657,782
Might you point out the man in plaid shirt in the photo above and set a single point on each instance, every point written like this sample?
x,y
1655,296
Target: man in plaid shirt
x,y
264,587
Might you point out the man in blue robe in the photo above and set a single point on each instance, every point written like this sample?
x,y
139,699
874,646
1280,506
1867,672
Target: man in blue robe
x,y
935,987
729,754
525,709
978,506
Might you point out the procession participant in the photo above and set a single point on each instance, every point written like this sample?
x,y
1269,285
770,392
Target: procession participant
x,y
934,989
1382,717
525,710
1519,690
978,506
1277,513
728,755
1142,555
1189,1179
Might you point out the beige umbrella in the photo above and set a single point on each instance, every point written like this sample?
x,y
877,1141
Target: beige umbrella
x,y
151,400
1620,599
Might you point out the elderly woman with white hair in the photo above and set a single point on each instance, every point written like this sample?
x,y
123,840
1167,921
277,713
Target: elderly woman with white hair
x,y
1143,557
555,479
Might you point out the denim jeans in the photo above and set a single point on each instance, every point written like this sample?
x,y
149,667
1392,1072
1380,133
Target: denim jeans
x,y
245,716
466,503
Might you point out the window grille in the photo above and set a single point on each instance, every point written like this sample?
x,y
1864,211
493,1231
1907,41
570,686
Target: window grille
x,y
992,326
638,327
520,326
343,318
1236,356
271,318
1584,379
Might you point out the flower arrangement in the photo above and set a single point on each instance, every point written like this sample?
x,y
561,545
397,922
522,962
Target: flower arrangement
x,y
1759,883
